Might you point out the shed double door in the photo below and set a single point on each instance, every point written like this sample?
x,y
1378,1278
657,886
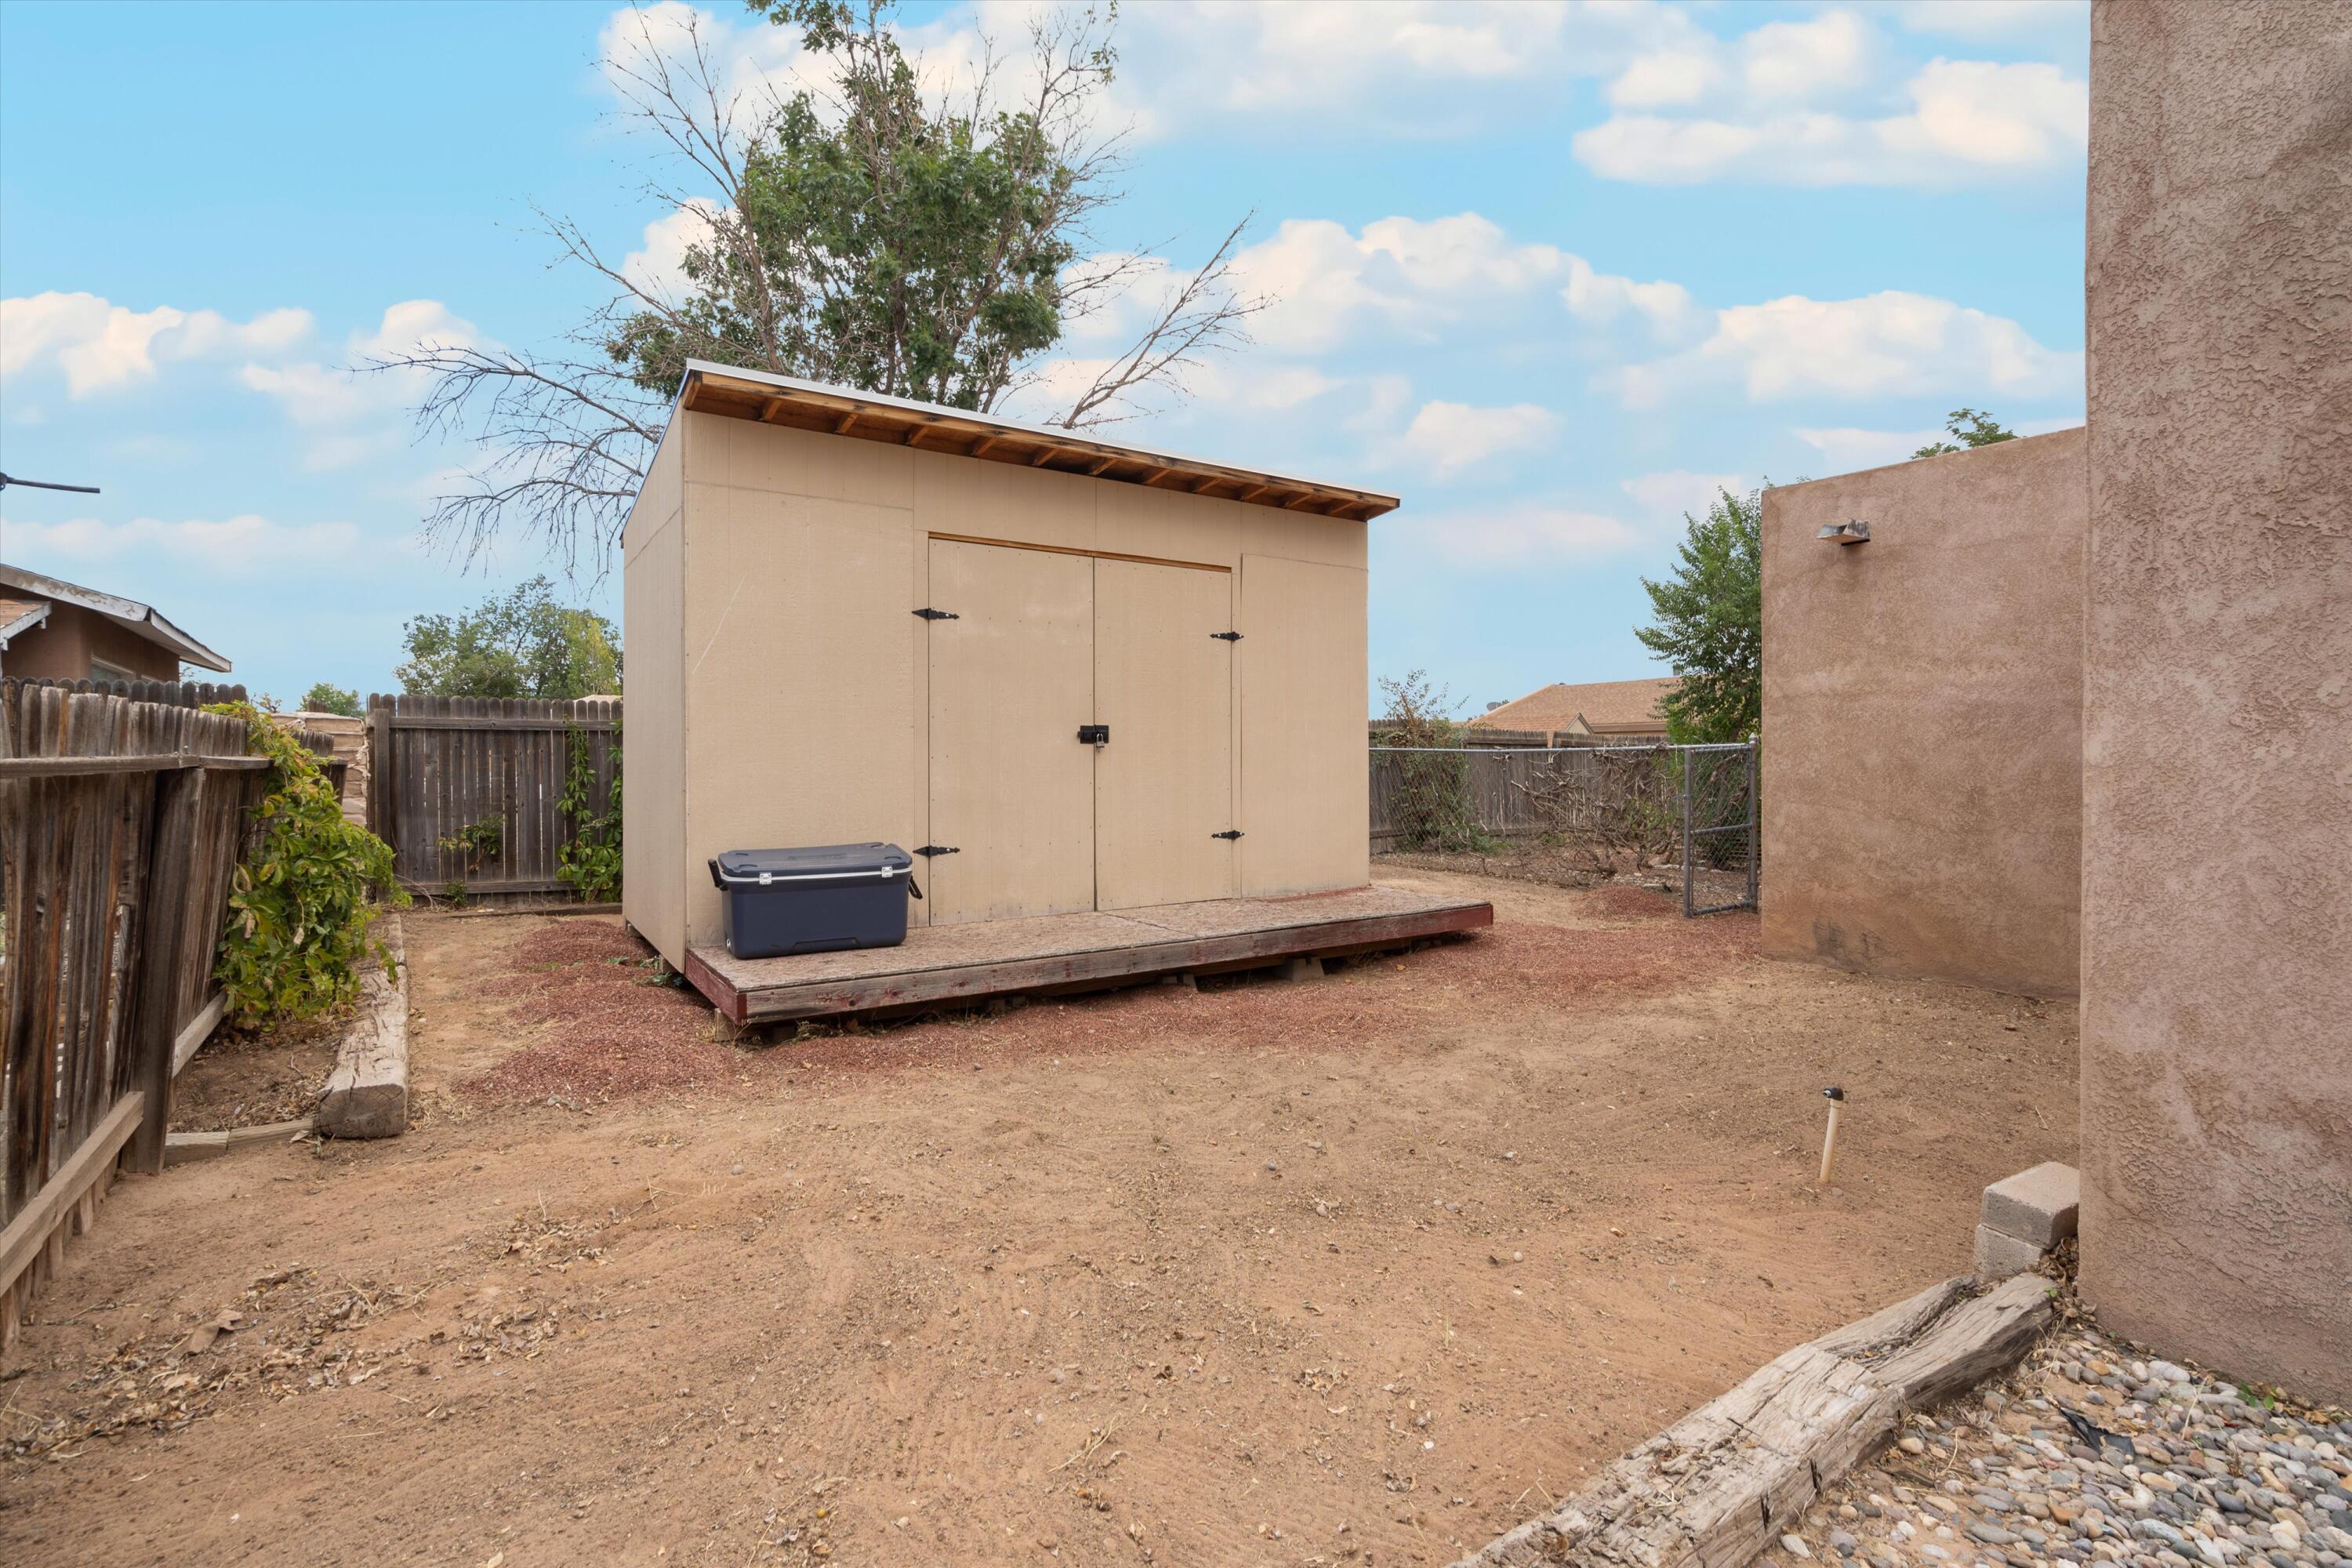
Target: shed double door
x,y
1033,821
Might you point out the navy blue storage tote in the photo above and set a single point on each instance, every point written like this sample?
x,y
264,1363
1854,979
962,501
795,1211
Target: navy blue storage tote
x,y
779,902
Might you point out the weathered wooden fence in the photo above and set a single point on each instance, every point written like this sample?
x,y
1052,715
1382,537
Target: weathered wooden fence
x,y
1381,730
120,824
445,772
1492,784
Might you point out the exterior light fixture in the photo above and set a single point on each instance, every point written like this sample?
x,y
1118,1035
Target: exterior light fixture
x,y
1853,531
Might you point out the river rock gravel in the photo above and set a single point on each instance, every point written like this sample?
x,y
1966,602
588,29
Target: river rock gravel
x,y
2091,1452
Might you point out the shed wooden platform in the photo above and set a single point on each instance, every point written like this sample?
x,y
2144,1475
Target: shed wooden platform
x,y
1075,951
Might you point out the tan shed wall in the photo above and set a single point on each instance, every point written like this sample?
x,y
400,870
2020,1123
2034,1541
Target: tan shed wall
x,y
2217,951
653,722
1306,792
1923,700
806,679
800,679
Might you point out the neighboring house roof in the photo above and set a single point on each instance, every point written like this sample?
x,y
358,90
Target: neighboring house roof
x,y
20,616
131,615
1608,707
765,397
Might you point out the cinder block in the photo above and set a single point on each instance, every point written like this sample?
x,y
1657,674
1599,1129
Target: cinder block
x,y
2001,1254
2037,1207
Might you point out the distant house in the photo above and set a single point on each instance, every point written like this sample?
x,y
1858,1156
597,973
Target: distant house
x,y
1604,711
64,631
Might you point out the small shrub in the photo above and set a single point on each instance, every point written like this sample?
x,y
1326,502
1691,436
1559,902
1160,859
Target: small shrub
x,y
301,918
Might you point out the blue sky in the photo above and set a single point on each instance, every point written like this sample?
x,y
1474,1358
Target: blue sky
x,y
1549,271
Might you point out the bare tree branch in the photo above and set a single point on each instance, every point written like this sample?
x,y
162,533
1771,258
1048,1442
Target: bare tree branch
x,y
1202,315
565,445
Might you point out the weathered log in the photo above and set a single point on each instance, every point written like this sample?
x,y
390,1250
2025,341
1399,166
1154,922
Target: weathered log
x,y
1713,1489
367,1094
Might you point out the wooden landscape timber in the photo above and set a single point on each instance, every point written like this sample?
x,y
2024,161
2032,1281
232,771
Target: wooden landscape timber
x,y
120,822
188,1148
1715,1487
1078,952
367,1094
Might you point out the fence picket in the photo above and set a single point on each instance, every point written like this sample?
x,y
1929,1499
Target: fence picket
x,y
109,937
442,765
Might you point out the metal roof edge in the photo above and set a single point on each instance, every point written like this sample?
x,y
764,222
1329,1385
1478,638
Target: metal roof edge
x,y
141,620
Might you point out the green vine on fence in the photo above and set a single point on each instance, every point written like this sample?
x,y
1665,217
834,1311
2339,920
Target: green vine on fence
x,y
301,931
589,860
477,842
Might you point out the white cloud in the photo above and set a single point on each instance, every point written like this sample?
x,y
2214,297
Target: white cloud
x,y
1518,536
1785,120
1849,449
1447,438
1599,298
247,545
1668,497
1664,78
101,346
1996,116
1881,345
1801,60
359,413
1409,68
1420,279
1269,387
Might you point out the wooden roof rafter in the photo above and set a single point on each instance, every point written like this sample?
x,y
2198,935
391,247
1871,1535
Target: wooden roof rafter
x,y
962,433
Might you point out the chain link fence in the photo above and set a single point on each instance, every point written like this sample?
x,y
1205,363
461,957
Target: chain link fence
x,y
1719,828
1610,811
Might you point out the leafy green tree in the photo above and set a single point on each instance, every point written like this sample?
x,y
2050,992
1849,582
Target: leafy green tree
x,y
1969,427
875,231
326,698
524,644
1710,624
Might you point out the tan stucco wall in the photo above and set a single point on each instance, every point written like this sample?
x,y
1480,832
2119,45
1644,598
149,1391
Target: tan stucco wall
x,y
801,689
61,648
1922,758
2217,951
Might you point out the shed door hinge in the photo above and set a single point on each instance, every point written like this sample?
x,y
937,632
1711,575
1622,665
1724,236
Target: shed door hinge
x,y
1226,636
939,849
1228,833
930,614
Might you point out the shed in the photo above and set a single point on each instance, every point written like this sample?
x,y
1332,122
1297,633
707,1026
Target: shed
x,y
852,617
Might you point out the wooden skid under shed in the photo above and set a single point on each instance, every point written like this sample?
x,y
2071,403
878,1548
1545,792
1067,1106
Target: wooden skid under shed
x,y
997,958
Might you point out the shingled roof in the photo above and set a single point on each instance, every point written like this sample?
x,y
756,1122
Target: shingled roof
x,y
1607,707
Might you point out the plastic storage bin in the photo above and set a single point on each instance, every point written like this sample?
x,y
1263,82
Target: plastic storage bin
x,y
779,902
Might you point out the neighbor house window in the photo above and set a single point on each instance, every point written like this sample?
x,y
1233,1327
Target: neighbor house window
x,y
101,671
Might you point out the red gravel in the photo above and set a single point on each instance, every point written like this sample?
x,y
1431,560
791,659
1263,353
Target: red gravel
x,y
605,1027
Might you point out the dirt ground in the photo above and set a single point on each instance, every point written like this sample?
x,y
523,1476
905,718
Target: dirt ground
x,y
241,1079
1354,1270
